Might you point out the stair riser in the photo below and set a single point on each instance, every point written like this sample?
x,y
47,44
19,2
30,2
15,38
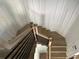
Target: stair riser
x,y
58,54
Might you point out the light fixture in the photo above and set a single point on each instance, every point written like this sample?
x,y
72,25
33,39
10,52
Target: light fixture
x,y
77,53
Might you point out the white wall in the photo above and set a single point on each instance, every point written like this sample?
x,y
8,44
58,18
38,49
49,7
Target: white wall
x,y
40,49
72,39
12,18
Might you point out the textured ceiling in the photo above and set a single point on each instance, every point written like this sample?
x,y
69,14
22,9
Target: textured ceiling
x,y
55,15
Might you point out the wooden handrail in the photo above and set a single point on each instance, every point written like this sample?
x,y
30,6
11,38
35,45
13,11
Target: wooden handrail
x,y
23,48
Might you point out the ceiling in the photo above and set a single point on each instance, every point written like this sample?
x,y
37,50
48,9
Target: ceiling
x,y
55,15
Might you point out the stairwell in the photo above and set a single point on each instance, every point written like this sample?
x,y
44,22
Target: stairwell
x,y
58,46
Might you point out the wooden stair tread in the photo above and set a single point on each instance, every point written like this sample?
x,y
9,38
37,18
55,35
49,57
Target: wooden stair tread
x,y
58,58
58,54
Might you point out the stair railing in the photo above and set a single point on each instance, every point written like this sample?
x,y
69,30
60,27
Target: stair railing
x,y
49,48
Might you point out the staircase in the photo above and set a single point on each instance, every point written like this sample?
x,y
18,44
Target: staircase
x,y
58,47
